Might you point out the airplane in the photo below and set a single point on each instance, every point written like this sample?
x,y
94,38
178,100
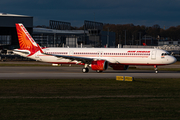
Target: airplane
x,y
98,59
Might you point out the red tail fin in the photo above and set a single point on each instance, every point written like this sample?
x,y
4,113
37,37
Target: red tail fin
x,y
26,42
144,44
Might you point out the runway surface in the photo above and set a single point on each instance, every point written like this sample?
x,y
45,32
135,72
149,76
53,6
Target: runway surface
x,y
75,73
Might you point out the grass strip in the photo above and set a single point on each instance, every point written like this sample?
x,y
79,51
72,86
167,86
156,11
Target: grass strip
x,y
89,99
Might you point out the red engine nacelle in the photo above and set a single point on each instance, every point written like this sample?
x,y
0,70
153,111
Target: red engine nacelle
x,y
119,67
99,65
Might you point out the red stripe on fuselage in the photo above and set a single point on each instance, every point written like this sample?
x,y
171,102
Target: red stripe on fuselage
x,y
142,64
97,56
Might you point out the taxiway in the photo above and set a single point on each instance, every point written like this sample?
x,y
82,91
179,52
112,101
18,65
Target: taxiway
x,y
75,73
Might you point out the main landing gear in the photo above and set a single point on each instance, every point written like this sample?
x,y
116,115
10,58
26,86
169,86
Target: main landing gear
x,y
85,69
156,69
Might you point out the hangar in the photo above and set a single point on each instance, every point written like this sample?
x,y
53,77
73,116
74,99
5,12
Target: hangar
x,y
8,34
57,34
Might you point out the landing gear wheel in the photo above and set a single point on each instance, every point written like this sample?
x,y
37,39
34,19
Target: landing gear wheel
x,y
156,69
99,71
85,70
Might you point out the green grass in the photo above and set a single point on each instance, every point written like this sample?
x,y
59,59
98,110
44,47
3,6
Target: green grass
x,y
90,99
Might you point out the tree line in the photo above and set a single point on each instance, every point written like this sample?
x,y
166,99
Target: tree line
x,y
135,33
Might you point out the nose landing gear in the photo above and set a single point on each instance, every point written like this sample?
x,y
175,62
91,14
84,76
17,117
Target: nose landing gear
x,y
156,69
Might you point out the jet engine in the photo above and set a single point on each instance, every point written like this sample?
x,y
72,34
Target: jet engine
x,y
99,65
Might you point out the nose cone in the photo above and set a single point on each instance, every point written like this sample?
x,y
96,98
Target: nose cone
x,y
172,60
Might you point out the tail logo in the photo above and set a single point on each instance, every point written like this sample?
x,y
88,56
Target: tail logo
x,y
26,42
28,35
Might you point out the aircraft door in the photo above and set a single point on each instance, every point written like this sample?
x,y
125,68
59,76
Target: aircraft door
x,y
100,54
153,55
71,53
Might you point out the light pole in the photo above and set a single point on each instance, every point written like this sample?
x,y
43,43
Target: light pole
x,y
107,38
158,39
139,38
125,37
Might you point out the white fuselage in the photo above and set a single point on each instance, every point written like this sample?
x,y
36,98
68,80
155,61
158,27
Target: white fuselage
x,y
126,56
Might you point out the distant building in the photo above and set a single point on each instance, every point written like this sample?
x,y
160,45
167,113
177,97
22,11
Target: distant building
x,y
58,34
8,34
58,38
72,38
167,42
91,36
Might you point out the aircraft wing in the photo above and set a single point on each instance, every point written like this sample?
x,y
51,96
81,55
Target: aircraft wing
x,y
75,58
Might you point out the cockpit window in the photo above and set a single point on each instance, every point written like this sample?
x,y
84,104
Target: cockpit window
x,y
164,54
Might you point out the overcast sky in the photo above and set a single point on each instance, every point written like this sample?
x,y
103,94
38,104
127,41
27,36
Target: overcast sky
x,y
138,12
